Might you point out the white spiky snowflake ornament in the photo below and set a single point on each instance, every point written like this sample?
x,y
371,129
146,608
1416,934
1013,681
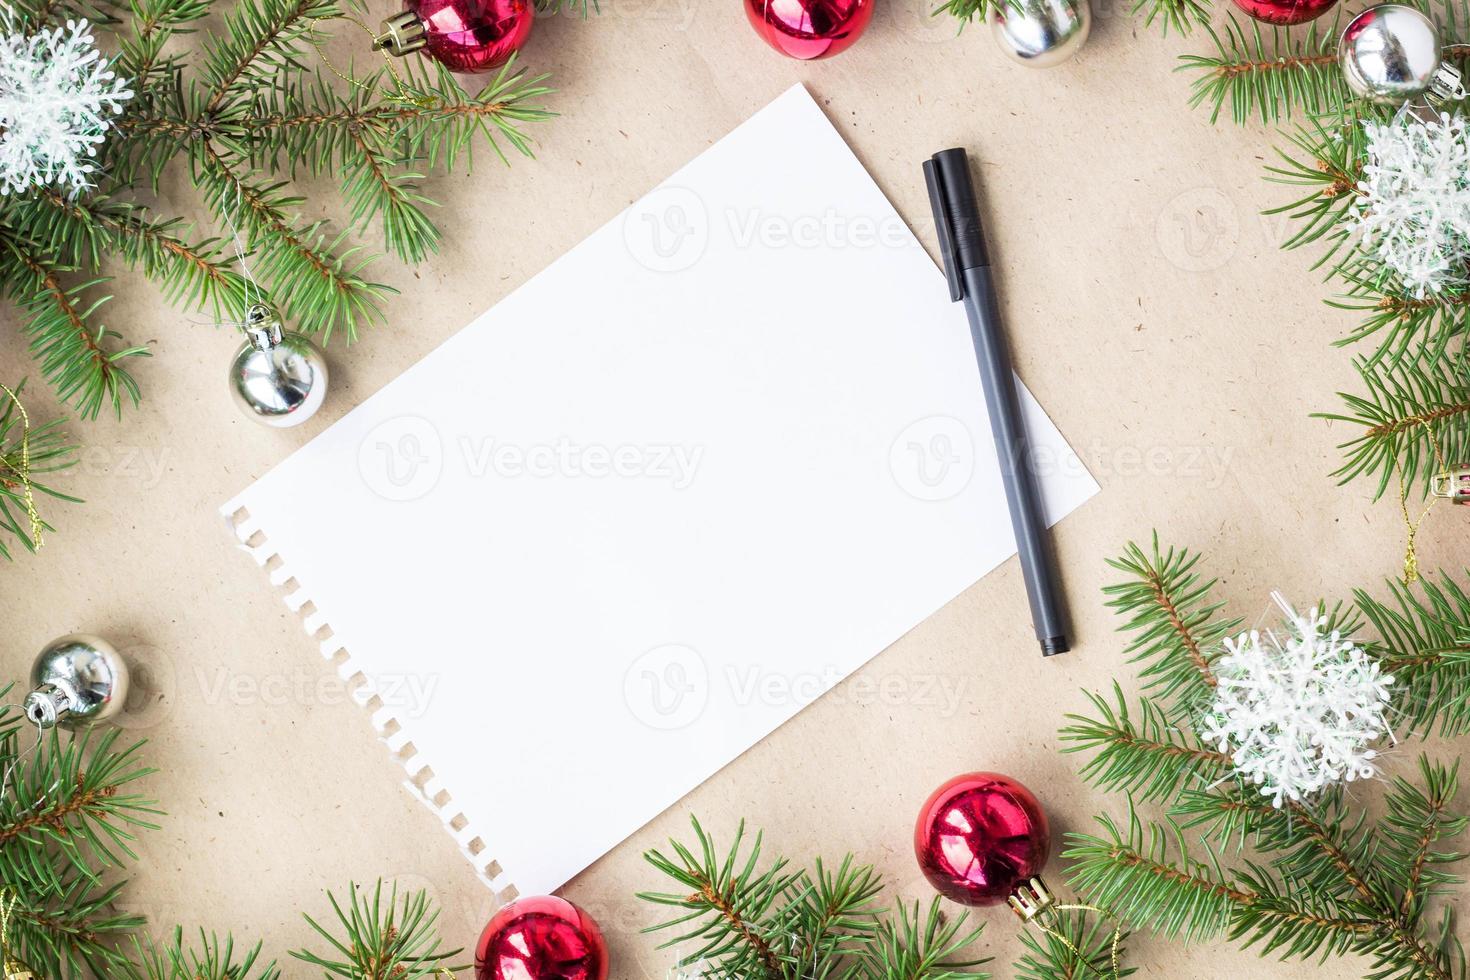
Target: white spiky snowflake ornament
x,y
1297,712
57,100
1413,211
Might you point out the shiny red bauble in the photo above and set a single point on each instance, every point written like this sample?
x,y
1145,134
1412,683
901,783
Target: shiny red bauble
x,y
1285,12
474,35
545,938
809,29
979,836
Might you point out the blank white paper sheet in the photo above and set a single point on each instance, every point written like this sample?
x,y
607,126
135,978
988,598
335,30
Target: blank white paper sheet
x,y
634,517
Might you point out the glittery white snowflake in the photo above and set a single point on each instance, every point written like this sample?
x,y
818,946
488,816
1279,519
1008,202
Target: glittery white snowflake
x,y
57,101
1300,712
1414,212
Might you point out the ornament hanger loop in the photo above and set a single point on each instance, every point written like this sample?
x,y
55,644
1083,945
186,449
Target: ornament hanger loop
x,y
398,38
1036,906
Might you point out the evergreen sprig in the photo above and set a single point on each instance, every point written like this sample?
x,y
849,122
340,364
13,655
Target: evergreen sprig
x,y
68,817
381,934
1266,72
252,111
1426,647
1412,420
1315,878
210,958
738,918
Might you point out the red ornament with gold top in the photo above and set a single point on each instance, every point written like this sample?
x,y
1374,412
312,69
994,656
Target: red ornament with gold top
x,y
1285,12
809,29
541,938
466,36
981,838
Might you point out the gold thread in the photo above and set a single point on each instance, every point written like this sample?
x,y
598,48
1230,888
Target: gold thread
x,y
401,92
28,497
1411,555
11,967
1082,958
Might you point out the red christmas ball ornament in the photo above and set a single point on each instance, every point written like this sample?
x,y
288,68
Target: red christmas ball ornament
x,y
809,29
544,938
1285,12
466,36
980,837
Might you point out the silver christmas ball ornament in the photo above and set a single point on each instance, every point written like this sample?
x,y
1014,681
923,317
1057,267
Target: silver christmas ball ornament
x,y
1041,33
278,377
1389,53
78,681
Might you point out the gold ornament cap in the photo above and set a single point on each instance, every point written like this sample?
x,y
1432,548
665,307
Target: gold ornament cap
x,y
1031,899
403,33
1452,484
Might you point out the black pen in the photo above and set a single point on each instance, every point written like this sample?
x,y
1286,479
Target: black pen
x,y
967,267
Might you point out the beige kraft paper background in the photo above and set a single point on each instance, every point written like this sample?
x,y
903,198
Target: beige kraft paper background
x,y
1152,314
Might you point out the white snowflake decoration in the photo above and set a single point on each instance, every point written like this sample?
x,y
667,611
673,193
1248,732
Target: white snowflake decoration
x,y
57,100
1297,714
1414,211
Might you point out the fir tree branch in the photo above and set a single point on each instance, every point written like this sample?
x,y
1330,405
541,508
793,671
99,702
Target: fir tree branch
x,y
912,945
1169,611
723,907
1426,647
1129,872
1418,820
263,36
1138,758
211,958
1076,946
98,225
1266,72
382,936
68,929
1414,418
306,277
68,804
73,358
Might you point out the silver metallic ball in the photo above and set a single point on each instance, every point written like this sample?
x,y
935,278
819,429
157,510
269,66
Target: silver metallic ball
x,y
78,681
1041,33
1389,53
278,378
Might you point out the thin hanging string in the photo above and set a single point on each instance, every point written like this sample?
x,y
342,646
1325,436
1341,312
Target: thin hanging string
x,y
1114,944
10,771
401,92
1411,554
23,471
254,294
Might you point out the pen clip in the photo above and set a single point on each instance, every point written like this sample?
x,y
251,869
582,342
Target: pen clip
x,y
946,233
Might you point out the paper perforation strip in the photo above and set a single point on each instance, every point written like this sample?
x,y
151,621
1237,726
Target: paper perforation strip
x,y
390,727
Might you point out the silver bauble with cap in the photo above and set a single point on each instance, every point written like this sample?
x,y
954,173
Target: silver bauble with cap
x,y
77,680
1041,33
278,377
1390,54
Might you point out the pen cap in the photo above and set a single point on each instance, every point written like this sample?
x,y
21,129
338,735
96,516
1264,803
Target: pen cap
x,y
952,168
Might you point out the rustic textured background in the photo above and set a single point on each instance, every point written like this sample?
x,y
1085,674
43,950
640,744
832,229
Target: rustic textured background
x,y
1173,343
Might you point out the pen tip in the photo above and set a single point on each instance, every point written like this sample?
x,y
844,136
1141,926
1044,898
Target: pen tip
x,y
1053,645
